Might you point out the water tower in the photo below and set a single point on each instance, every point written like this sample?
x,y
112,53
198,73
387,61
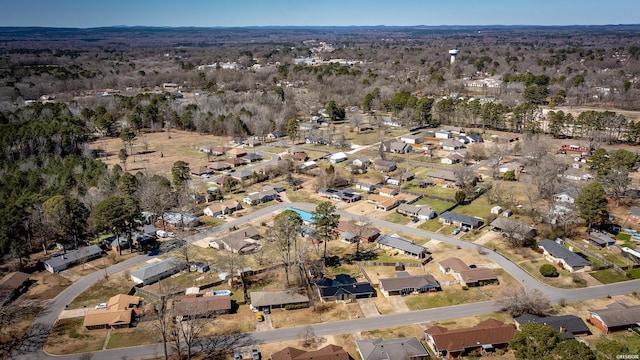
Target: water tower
x,y
453,54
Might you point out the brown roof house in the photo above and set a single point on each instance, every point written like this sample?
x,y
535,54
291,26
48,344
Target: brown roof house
x,y
487,336
329,352
189,307
285,299
352,232
242,241
118,314
466,275
222,207
12,285
617,316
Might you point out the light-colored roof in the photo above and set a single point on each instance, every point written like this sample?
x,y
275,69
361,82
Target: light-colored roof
x,y
156,268
400,348
618,314
400,244
74,256
454,264
277,298
405,282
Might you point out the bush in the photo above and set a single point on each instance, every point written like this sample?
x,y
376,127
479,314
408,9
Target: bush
x,y
296,306
548,270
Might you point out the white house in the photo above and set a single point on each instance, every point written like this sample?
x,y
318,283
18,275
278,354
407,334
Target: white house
x,y
451,145
388,192
564,197
337,157
440,134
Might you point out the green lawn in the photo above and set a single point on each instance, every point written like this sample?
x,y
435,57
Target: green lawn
x,y
433,225
608,276
630,339
480,207
397,218
452,295
438,206
125,337
275,149
439,191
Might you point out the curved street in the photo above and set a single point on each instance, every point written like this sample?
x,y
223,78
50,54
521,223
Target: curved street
x,y
46,319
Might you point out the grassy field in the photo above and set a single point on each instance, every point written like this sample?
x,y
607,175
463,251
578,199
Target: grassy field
x,y
395,332
433,225
439,191
451,295
397,218
101,291
438,206
608,276
480,207
68,336
143,333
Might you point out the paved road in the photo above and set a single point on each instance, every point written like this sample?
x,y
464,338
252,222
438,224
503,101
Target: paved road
x,y
47,317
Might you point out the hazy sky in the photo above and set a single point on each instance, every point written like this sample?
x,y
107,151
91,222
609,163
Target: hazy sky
x,y
93,13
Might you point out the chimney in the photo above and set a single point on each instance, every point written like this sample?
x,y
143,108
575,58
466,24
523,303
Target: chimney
x,y
563,329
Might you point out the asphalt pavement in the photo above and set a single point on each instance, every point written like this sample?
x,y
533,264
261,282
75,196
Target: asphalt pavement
x,y
45,320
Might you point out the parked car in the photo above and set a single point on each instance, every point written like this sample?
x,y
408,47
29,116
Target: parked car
x,y
415,220
101,306
456,230
161,234
220,216
237,355
256,355
278,199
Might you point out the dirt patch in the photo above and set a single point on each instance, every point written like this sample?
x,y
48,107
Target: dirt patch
x,y
46,286
68,336
101,291
326,312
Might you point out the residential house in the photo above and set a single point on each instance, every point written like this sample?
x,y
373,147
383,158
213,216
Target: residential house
x,y
421,212
564,198
252,142
329,352
329,193
401,348
487,336
251,158
261,300
219,150
221,180
365,187
205,149
300,156
315,140
308,165
631,254
474,138
388,192
362,161
236,153
352,231
343,287
563,257
415,138
276,135
242,175
61,262
601,239
407,176
514,166
449,217
453,129
179,220
384,165
616,316
403,285
218,166
513,228
441,134
189,307
452,159
398,147
201,170
634,213
393,182
467,276
396,243
337,157
387,204
237,140
451,145
223,207
260,197
294,150
108,319
241,241
12,285
569,326
235,162
156,271
442,176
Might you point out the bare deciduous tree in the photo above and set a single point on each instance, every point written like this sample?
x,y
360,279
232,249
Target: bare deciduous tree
x,y
517,301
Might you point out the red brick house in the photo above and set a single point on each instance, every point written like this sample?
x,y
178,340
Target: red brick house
x,y
485,337
329,352
617,316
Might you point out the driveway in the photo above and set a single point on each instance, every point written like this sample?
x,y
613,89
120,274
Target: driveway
x,y
397,302
368,307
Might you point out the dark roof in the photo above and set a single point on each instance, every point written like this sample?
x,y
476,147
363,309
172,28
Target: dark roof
x,y
400,244
361,288
277,298
503,223
572,324
560,252
600,238
488,332
13,280
401,348
416,282
156,268
463,219
74,256
447,175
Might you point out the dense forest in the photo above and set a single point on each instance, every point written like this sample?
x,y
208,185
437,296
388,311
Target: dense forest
x,y
61,88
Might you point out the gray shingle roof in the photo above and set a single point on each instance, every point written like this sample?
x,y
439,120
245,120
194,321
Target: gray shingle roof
x,y
459,218
409,282
401,348
617,314
560,252
400,244
74,256
150,270
572,323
